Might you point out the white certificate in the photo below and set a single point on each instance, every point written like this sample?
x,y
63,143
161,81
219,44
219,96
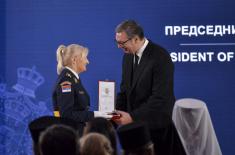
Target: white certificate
x,y
106,96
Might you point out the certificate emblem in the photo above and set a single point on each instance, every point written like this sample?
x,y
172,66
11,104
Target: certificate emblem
x,y
106,96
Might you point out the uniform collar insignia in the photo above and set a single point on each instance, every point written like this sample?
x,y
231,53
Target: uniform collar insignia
x,y
76,80
68,74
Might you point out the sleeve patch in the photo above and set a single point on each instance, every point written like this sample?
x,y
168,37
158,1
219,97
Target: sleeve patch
x,y
65,86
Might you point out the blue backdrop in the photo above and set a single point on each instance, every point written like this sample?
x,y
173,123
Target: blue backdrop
x,y
31,31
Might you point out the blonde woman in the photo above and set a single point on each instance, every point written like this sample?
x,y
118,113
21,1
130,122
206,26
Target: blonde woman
x,y
70,99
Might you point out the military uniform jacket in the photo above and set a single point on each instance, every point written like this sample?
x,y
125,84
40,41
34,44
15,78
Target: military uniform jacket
x,y
70,98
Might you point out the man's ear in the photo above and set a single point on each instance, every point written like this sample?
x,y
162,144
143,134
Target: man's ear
x,y
136,38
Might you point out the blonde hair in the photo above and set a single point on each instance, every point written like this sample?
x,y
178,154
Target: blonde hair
x,y
95,144
65,54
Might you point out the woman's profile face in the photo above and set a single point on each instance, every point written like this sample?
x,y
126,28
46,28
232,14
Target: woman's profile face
x,y
81,62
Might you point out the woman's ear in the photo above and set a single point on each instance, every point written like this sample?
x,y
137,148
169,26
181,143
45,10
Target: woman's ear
x,y
73,60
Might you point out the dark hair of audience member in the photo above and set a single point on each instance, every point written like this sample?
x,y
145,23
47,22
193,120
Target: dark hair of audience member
x,y
144,150
58,140
104,127
135,139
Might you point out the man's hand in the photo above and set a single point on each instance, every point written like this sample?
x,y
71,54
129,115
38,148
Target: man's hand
x,y
124,119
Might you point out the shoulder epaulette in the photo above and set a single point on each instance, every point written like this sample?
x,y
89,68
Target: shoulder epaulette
x,y
69,75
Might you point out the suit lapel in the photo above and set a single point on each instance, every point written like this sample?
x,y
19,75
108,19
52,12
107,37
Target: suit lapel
x,y
129,69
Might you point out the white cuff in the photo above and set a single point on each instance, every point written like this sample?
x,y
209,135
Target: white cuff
x,y
102,114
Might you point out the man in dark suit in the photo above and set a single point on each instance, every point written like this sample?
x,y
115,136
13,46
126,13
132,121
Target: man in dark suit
x,y
146,91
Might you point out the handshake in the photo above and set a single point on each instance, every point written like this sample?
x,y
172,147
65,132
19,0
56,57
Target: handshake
x,y
108,115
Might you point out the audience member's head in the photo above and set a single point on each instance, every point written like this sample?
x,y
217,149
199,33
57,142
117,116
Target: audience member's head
x,y
104,127
58,140
37,126
95,144
135,139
